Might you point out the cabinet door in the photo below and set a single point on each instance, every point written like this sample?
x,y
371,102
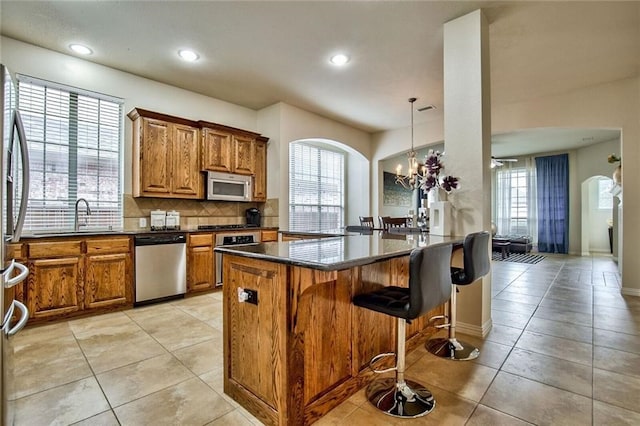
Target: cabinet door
x,y
216,151
200,274
106,280
244,154
186,177
54,286
260,172
155,157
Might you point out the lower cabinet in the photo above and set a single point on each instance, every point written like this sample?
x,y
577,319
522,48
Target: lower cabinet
x,y
108,280
267,236
54,286
200,270
74,276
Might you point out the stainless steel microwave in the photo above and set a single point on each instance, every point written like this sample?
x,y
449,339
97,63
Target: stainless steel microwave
x,y
229,187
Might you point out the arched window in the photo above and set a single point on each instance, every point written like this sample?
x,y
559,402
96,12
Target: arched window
x,y
316,187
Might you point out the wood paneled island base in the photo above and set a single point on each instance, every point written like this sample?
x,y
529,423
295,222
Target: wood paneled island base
x,y
304,348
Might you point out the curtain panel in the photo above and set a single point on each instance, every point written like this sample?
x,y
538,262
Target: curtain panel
x,y
552,174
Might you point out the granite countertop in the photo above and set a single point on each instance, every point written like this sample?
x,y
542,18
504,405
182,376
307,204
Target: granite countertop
x,y
107,233
337,253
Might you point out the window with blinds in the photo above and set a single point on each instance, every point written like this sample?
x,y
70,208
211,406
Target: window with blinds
x,y
316,188
75,151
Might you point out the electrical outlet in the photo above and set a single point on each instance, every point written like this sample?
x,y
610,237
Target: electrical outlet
x,y
252,296
143,222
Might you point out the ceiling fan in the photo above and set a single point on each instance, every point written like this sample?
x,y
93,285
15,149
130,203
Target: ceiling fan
x,y
498,162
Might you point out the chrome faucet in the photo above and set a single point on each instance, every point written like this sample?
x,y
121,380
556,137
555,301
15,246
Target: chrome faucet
x,y
76,225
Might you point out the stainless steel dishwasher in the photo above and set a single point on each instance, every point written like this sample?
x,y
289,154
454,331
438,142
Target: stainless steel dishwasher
x,y
161,266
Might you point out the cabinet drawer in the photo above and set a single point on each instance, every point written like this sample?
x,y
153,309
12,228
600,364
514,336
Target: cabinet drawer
x,y
54,249
200,240
267,236
108,245
14,251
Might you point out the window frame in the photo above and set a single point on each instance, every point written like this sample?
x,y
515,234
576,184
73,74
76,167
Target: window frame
x,y
90,130
319,207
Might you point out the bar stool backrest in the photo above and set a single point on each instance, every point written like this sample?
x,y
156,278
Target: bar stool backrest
x,y
429,279
476,259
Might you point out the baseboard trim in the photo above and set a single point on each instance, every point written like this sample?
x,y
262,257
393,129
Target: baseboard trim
x,y
474,330
630,291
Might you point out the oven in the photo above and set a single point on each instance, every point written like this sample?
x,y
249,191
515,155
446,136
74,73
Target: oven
x,y
232,239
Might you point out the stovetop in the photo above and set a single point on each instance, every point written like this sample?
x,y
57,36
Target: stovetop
x,y
217,227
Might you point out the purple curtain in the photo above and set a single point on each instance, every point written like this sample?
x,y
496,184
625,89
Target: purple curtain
x,y
552,174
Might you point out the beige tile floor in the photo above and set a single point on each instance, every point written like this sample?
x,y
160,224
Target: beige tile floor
x,y
564,349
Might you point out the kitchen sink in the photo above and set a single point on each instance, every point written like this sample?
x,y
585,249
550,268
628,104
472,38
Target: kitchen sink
x,y
71,233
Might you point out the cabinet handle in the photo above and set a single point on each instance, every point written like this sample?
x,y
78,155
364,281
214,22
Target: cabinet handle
x,y
24,271
21,322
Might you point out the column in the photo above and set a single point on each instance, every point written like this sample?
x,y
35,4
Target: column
x,y
467,141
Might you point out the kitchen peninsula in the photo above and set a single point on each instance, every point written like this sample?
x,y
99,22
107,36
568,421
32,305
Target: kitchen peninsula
x,y
294,345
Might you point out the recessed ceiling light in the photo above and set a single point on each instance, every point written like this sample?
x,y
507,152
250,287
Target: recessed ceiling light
x,y
188,55
339,59
80,49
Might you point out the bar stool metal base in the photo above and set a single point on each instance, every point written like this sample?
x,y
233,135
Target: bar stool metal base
x,y
408,401
445,349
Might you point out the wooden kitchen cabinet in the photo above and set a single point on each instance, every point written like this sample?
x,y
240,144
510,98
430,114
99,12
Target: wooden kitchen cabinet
x,y
200,268
243,154
108,279
56,279
269,235
227,149
260,170
216,150
69,277
166,156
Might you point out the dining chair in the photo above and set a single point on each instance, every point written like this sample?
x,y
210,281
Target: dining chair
x,y
392,222
381,221
366,221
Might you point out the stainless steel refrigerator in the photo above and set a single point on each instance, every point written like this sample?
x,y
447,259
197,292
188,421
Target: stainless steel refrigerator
x,y
14,191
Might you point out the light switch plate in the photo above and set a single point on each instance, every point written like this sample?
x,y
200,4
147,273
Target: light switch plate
x,y
143,222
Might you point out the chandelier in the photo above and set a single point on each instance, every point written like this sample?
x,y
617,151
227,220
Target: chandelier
x,y
413,178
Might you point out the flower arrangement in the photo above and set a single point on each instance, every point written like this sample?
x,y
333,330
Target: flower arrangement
x,y
612,158
434,168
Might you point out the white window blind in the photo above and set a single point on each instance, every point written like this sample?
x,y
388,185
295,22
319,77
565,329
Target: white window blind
x,y
316,188
513,201
75,151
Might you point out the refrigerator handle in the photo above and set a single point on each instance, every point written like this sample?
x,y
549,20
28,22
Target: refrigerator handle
x,y
21,322
10,282
24,151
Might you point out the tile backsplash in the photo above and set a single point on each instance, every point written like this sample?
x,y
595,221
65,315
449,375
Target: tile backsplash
x,y
196,212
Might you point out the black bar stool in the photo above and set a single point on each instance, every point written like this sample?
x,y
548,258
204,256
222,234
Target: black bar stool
x,y
475,251
429,286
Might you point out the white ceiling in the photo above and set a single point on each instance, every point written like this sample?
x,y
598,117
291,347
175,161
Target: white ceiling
x,y
258,53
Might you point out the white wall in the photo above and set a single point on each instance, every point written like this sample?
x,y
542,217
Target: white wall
x,y
598,220
280,122
136,91
390,164
612,105
386,146
297,124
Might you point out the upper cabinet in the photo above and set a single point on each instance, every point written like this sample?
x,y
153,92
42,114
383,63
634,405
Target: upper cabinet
x,y
170,154
216,150
226,149
166,156
260,169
